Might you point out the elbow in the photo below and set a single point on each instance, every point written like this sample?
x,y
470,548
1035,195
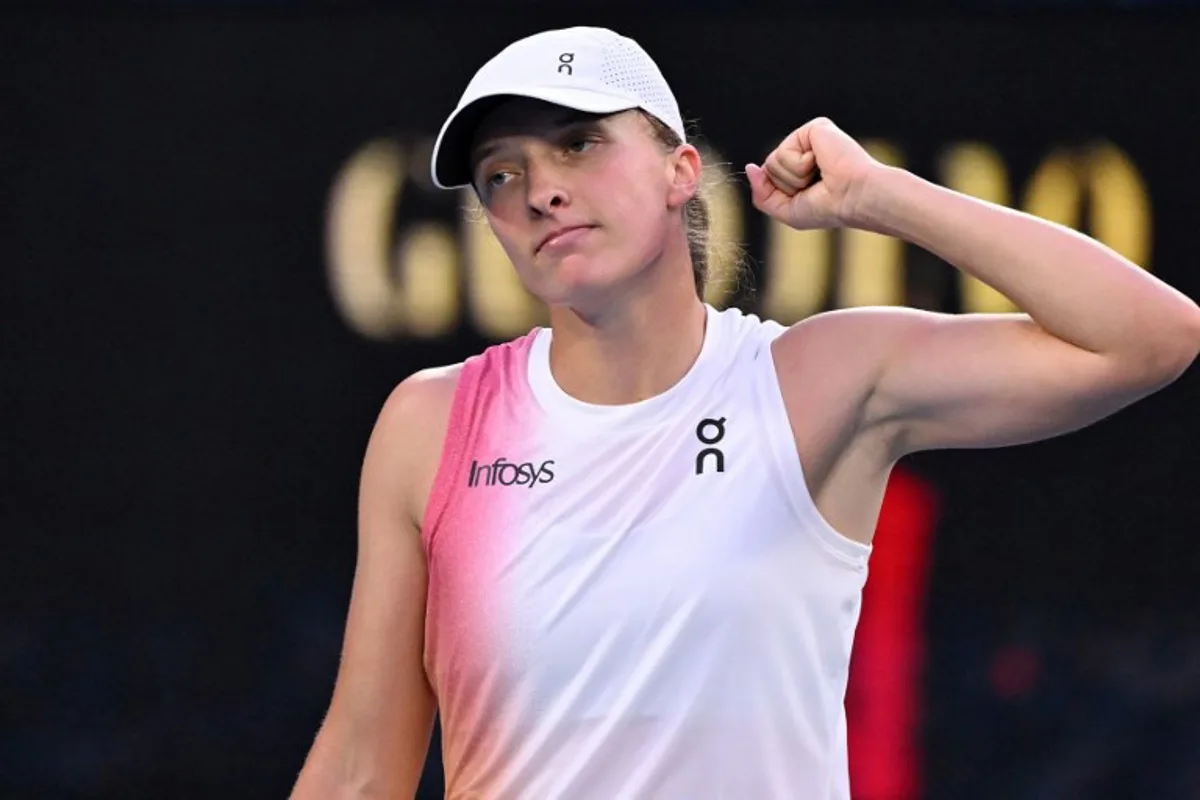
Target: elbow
x,y
1193,327
1172,352
347,764
333,773
1188,340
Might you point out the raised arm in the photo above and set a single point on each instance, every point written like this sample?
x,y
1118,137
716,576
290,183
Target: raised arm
x,y
375,736
1097,333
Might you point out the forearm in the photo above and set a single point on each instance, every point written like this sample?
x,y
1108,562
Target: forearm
x,y
1074,287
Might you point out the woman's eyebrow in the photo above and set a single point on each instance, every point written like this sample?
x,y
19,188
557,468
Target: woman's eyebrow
x,y
564,122
485,150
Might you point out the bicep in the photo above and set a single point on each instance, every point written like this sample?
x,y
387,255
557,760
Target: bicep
x,y
380,719
987,380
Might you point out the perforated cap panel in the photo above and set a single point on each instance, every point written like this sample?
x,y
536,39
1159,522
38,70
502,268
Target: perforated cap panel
x,y
625,66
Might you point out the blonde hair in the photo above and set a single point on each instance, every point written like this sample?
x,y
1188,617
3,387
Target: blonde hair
x,y
696,219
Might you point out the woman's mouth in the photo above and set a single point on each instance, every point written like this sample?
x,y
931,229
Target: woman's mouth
x,y
564,237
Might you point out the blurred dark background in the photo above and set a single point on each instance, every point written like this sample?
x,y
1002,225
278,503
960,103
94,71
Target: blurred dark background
x,y
221,251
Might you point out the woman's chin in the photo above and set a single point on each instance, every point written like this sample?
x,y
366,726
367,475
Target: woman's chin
x,y
575,278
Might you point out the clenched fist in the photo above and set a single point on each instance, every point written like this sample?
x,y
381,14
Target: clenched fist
x,y
813,179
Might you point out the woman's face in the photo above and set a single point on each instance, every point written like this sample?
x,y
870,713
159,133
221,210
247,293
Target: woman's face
x,y
581,204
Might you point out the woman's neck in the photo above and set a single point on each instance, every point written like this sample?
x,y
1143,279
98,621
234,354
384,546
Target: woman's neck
x,y
636,349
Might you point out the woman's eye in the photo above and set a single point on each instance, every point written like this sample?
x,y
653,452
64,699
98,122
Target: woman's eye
x,y
497,179
580,145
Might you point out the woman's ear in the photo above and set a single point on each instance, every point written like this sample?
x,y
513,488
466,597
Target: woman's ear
x,y
684,167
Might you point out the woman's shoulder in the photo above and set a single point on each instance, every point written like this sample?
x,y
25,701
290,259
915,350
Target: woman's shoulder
x,y
427,396
422,397
410,431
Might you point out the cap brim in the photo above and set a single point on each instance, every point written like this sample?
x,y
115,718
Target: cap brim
x,y
450,164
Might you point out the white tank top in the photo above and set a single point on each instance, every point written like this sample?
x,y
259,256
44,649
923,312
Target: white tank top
x,y
636,601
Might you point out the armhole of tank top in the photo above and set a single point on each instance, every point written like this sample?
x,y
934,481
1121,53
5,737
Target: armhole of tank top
x,y
781,441
454,445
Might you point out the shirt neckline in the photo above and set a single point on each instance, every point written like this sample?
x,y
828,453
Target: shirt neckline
x,y
564,407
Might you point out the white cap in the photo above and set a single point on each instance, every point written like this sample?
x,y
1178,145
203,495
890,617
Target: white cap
x,y
588,69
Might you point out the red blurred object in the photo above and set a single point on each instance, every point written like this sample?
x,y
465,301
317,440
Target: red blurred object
x,y
883,697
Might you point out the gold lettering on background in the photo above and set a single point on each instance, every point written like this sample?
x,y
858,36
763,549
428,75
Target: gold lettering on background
x,y
388,283
872,268
383,283
1117,200
797,269
976,169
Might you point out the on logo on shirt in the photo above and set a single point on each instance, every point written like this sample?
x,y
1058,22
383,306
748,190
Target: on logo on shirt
x,y
710,432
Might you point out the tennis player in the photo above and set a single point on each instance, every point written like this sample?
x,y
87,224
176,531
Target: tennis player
x,y
622,556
